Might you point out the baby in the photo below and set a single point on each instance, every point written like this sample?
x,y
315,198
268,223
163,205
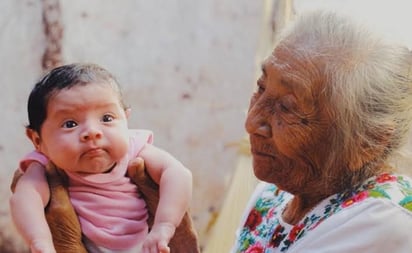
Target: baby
x,y
77,121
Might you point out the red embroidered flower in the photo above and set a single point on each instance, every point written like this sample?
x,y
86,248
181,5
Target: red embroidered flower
x,y
295,231
270,213
253,219
278,236
386,177
357,198
257,248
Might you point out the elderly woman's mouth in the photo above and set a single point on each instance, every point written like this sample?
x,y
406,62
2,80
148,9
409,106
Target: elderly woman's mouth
x,y
262,153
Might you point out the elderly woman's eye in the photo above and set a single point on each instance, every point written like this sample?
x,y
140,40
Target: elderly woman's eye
x,y
259,86
283,108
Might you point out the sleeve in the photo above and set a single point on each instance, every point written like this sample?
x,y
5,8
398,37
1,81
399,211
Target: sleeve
x,y
139,138
33,156
377,226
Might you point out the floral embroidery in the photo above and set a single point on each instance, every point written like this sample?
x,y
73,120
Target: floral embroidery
x,y
406,203
357,198
257,248
294,233
386,177
263,232
253,219
278,236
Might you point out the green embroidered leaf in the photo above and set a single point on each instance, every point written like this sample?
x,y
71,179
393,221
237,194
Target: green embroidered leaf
x,y
406,203
378,193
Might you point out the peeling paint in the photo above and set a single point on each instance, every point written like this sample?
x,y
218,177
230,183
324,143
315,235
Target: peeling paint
x,y
53,31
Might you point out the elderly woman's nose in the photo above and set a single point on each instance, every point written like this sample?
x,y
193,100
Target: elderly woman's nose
x,y
256,124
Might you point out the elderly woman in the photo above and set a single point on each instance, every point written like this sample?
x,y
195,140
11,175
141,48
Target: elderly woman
x,y
332,106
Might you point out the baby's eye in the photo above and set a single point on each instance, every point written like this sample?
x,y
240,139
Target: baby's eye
x,y
107,118
69,124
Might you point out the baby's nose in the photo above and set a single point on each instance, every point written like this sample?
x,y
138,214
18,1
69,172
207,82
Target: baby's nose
x,y
91,133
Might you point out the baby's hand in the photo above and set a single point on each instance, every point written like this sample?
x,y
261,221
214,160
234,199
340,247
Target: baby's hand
x,y
41,246
158,238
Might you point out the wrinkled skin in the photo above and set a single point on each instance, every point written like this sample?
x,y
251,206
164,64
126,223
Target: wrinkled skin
x,y
64,224
289,129
185,237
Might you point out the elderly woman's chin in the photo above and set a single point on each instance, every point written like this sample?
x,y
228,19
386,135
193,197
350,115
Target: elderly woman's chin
x,y
264,168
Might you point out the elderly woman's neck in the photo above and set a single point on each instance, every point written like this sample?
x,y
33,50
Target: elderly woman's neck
x,y
297,208
302,203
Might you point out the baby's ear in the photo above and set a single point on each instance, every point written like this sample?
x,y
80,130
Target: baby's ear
x,y
34,137
127,112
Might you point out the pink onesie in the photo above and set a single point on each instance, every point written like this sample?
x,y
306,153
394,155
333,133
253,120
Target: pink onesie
x,y
110,210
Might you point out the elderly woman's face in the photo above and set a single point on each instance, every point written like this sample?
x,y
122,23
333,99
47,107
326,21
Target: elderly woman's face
x,y
286,122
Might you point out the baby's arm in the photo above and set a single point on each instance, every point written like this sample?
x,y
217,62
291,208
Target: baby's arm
x,y
175,192
27,204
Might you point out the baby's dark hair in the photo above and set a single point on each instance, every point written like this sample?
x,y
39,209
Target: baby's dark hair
x,y
64,77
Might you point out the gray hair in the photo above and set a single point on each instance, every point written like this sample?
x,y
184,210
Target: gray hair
x,y
368,82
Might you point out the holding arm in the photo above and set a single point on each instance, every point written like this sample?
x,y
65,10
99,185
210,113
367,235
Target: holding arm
x,y
31,195
175,185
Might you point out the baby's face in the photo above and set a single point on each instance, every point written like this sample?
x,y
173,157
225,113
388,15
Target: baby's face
x,y
85,129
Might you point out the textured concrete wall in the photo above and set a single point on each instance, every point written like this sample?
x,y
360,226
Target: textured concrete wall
x,y
187,68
